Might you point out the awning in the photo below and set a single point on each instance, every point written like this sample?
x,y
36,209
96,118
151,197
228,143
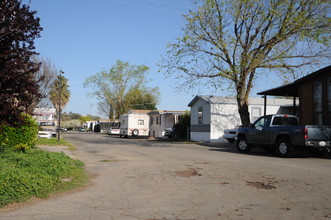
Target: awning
x,y
287,90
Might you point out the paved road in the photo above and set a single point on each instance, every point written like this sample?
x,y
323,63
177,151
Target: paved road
x,y
146,179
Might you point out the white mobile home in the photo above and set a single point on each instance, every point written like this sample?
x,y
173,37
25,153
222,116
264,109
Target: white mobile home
x,y
210,115
161,120
135,123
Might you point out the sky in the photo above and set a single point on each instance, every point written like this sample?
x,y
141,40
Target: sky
x,y
84,37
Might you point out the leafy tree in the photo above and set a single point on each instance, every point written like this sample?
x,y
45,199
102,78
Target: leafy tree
x,y
233,41
143,99
18,29
181,128
119,88
60,88
84,119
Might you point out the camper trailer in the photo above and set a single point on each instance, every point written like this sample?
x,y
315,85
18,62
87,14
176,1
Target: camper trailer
x,y
135,123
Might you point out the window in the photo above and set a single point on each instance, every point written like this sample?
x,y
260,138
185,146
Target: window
x,y
157,120
152,120
47,124
140,122
200,115
261,122
256,113
318,109
285,121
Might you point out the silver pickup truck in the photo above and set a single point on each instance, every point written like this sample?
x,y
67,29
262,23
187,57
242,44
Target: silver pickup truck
x,y
284,134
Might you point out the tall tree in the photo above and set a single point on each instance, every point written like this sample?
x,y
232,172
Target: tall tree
x,y
60,93
45,77
18,29
144,99
118,88
233,40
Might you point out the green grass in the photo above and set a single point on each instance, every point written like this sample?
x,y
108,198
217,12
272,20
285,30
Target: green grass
x,y
53,142
37,173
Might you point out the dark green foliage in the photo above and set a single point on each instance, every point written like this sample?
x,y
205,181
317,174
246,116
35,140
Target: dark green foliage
x,y
34,173
144,100
19,137
18,29
181,129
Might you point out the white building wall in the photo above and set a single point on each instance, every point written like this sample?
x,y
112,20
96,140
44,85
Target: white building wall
x,y
206,112
226,116
206,119
200,136
156,129
223,116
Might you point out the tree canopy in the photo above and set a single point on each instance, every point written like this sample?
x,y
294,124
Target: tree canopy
x,y
19,27
232,40
60,93
122,88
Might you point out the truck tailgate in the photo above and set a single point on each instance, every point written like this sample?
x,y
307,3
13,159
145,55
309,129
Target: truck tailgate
x,y
316,133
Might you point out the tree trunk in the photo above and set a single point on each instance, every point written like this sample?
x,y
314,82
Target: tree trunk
x,y
243,112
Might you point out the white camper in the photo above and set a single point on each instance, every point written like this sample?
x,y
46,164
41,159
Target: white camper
x,y
135,123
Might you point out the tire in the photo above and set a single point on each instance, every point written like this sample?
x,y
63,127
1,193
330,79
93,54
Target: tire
x,y
231,140
284,148
135,133
316,152
242,145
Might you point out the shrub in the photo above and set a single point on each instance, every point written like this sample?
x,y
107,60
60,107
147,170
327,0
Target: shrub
x,y
33,173
181,129
20,137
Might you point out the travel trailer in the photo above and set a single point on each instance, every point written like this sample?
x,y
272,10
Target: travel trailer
x,y
135,123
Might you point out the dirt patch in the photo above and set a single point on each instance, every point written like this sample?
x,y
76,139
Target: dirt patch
x,y
111,160
261,185
93,151
188,173
223,183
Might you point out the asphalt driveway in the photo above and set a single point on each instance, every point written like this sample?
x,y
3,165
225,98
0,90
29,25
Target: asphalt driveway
x,y
148,179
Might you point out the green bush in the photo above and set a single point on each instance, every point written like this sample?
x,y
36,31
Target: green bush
x,y
33,173
181,129
20,137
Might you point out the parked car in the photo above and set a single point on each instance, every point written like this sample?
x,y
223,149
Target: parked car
x,y
231,134
48,126
168,132
44,134
284,134
61,130
113,131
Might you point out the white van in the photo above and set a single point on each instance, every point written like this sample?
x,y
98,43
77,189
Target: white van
x,y
134,125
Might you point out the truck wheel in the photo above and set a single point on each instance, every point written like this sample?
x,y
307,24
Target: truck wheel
x,y
135,133
284,148
242,145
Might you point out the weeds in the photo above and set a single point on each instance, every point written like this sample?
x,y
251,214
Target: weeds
x,y
37,173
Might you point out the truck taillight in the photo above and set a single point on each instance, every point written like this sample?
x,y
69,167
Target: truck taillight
x,y
305,133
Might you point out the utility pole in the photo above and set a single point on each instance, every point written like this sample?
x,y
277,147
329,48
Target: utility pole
x,y
59,106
